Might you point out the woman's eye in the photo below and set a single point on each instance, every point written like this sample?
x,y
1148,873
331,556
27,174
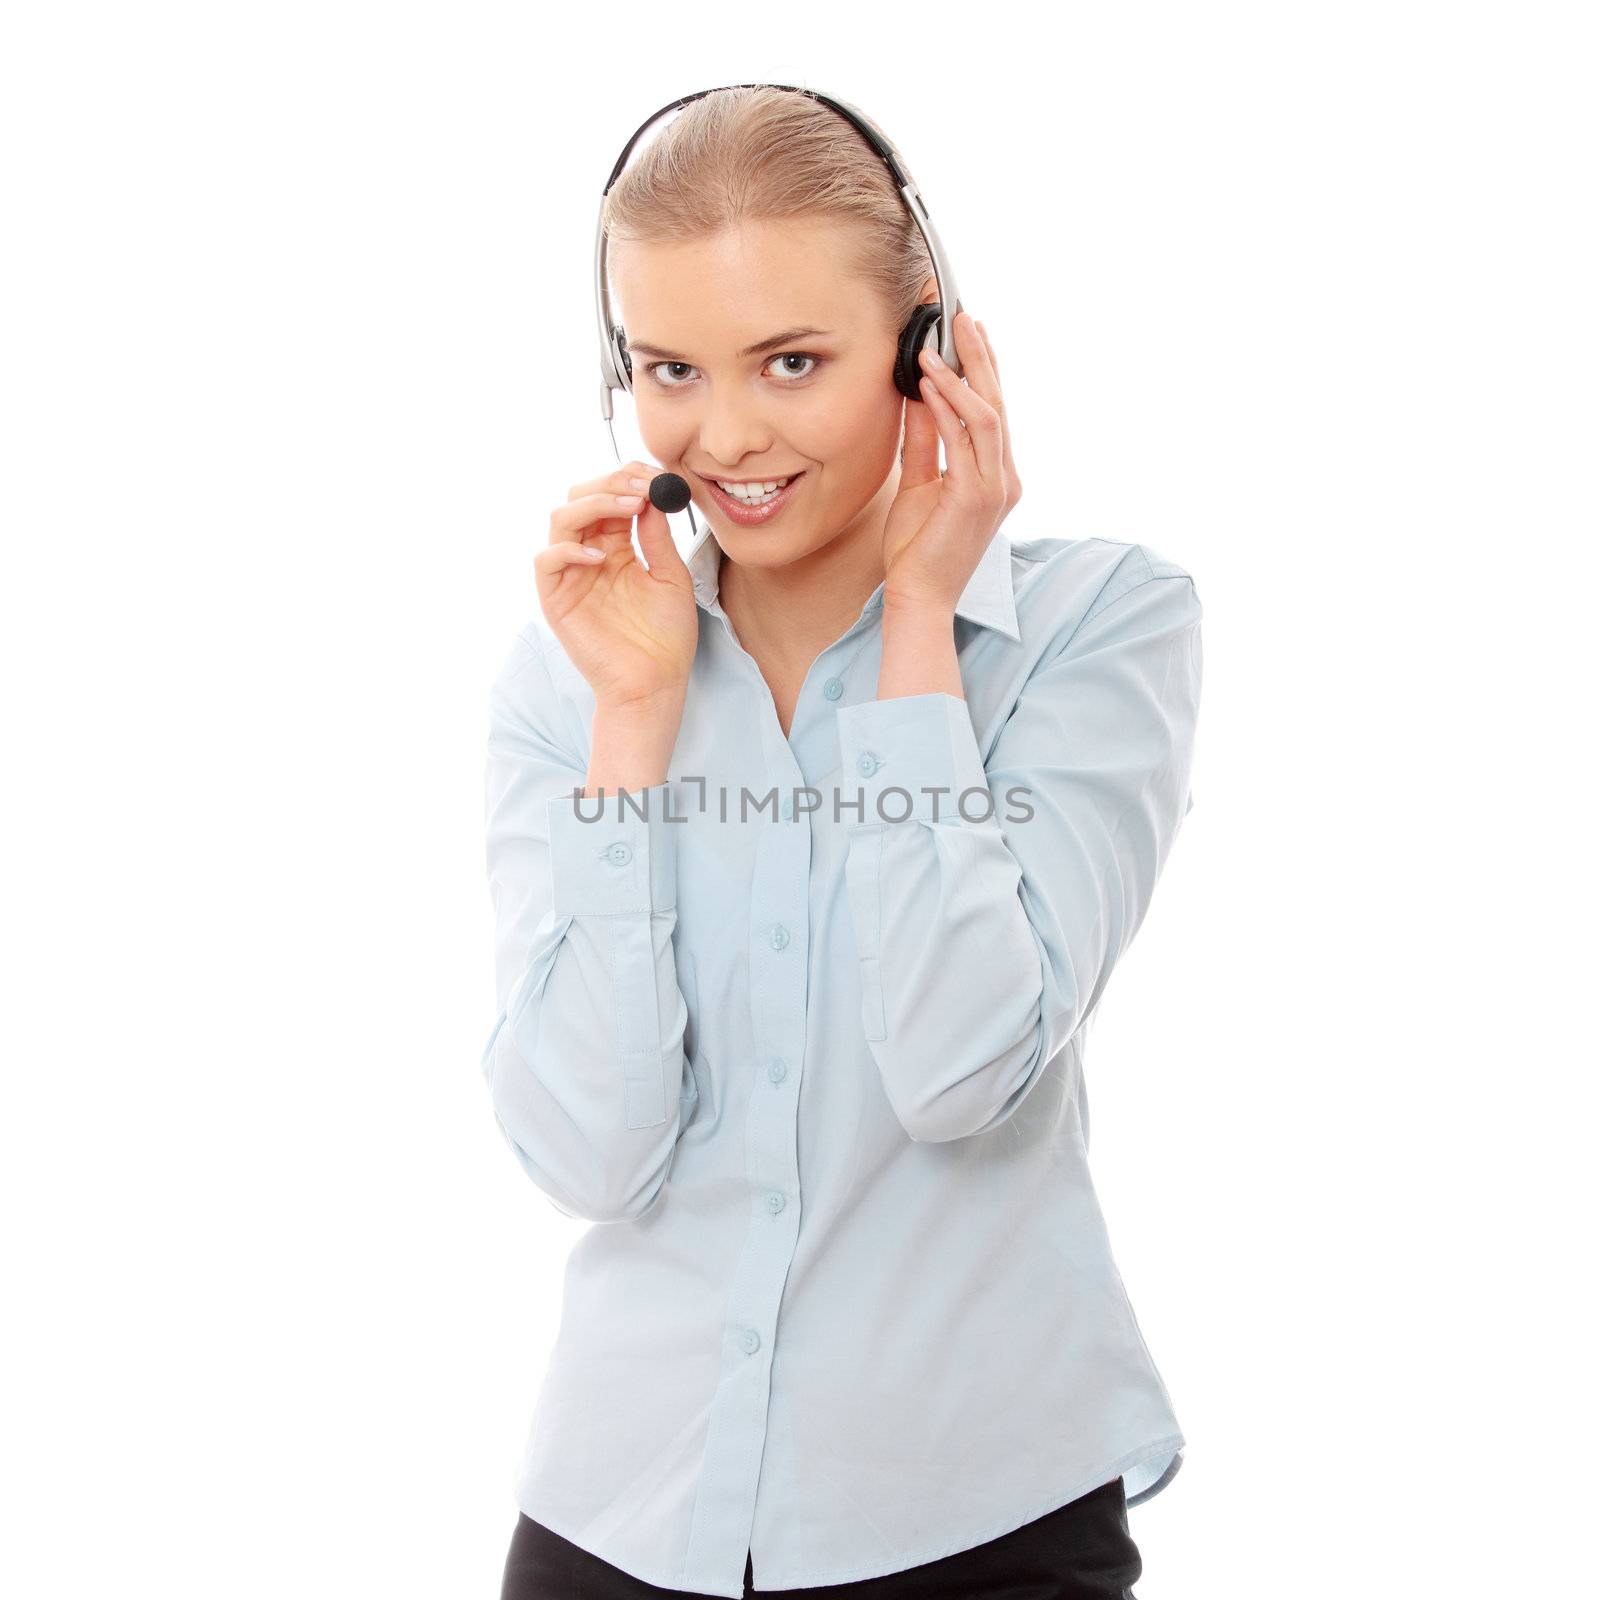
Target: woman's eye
x,y
798,355
791,376
655,369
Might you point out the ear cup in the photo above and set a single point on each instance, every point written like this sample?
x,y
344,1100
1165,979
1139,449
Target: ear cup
x,y
921,331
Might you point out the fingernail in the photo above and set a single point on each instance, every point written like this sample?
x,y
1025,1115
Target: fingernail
x,y
630,500
935,358
592,553
638,483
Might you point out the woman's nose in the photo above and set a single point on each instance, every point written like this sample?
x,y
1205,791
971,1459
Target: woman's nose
x,y
731,431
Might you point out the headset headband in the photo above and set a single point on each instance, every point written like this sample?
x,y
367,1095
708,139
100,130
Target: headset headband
x,y
613,372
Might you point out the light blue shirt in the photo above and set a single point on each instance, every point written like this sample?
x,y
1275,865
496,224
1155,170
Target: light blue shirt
x,y
817,1073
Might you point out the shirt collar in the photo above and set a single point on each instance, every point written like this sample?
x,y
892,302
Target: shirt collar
x,y
988,599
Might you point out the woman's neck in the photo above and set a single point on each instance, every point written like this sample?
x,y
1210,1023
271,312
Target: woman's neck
x,y
787,616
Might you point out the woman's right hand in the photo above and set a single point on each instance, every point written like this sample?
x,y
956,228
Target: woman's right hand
x,y
632,633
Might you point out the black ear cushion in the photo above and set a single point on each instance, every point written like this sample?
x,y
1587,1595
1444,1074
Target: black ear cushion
x,y
916,333
620,335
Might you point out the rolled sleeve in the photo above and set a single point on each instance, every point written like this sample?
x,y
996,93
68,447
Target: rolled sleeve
x,y
914,758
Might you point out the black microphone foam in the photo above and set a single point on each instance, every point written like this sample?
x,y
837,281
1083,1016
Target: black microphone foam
x,y
668,492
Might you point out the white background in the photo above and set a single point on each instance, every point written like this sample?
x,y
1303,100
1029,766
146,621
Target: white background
x,y
298,354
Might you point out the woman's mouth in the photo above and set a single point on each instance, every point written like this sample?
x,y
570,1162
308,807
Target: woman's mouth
x,y
754,513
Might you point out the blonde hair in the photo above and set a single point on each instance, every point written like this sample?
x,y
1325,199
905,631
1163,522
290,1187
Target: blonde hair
x,y
758,153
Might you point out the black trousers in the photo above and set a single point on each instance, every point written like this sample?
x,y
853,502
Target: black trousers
x,y
1079,1551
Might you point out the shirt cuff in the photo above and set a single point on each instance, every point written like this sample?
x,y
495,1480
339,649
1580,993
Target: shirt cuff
x,y
606,858
913,743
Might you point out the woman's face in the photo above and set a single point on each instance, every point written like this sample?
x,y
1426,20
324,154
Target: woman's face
x,y
822,404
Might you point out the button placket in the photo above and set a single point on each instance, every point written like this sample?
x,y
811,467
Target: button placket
x,y
779,914
778,929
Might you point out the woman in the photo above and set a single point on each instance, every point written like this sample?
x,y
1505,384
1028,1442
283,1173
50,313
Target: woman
x,y
811,854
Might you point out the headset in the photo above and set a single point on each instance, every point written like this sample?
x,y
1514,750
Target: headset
x,y
928,328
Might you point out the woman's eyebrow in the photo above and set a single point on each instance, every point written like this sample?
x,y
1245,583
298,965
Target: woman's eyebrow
x,y
788,336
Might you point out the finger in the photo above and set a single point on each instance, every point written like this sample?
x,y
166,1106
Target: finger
x,y
983,378
919,454
988,344
605,519
1014,483
660,549
961,465
555,561
976,366
982,422
618,481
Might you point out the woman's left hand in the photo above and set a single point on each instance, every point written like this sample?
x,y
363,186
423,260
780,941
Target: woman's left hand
x,y
939,527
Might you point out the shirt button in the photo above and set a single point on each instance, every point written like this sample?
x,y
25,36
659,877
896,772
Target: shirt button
x,y
776,1070
780,937
774,1203
833,688
866,763
620,854
751,1340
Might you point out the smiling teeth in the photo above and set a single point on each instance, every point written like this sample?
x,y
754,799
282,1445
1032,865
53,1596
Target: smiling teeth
x,y
754,494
